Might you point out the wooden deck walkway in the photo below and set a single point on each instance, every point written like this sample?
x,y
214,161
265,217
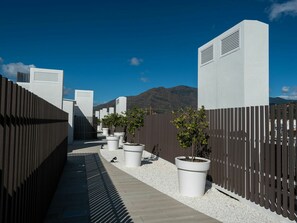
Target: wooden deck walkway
x,y
93,190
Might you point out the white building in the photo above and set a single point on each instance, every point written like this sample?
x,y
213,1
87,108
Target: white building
x,y
103,113
97,114
121,105
84,103
46,83
111,110
233,67
68,106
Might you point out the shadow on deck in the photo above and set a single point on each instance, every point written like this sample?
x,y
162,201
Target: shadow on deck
x,y
86,193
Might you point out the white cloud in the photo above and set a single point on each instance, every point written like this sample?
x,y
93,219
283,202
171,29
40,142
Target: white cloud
x,y
144,79
10,70
278,9
134,61
68,91
290,94
285,89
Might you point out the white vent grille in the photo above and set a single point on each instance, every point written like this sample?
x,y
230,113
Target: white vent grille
x,y
230,43
207,54
44,76
83,94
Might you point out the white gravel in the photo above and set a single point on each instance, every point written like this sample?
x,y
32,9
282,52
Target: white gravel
x,y
162,175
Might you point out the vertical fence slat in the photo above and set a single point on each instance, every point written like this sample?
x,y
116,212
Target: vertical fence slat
x,y
7,151
253,177
247,163
235,130
225,148
3,84
292,163
279,160
273,168
243,147
256,155
262,151
284,163
267,155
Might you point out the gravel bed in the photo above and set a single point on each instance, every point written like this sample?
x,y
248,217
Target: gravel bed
x,y
162,175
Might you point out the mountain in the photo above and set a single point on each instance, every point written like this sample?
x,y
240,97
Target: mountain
x,y
279,101
165,100
160,100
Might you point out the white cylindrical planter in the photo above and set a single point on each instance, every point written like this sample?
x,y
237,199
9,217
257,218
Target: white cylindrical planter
x,y
112,142
133,154
121,135
99,127
192,176
105,131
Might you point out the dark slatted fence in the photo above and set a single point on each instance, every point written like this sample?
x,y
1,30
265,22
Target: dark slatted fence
x,y
254,155
33,150
253,152
85,128
159,137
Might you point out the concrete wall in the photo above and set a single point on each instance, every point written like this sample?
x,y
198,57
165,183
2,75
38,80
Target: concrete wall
x,y
121,105
103,113
47,84
68,106
84,102
110,110
233,67
97,114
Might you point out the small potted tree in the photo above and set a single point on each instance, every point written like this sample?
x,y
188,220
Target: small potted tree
x,y
105,124
121,121
192,132
133,151
98,126
112,140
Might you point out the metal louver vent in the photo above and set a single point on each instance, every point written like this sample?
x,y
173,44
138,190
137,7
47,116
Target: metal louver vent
x,y
207,54
230,42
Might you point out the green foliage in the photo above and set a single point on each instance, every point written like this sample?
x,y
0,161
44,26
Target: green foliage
x,y
135,120
192,130
114,120
98,121
106,122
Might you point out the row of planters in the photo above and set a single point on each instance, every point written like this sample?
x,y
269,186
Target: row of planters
x,y
192,133
130,121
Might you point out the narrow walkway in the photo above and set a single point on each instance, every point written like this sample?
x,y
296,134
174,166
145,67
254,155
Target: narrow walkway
x,y
93,190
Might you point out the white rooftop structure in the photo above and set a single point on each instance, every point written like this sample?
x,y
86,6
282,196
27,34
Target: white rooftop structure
x,y
46,83
121,104
103,113
233,68
84,102
68,106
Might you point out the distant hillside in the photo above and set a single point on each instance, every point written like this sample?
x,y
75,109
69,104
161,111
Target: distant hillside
x,y
160,100
279,101
165,100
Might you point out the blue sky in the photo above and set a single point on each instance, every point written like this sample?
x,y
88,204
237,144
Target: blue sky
x,y
121,48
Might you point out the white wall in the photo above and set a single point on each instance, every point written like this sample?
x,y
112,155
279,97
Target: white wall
x,y
47,84
103,113
110,110
121,104
84,102
68,106
236,77
97,114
